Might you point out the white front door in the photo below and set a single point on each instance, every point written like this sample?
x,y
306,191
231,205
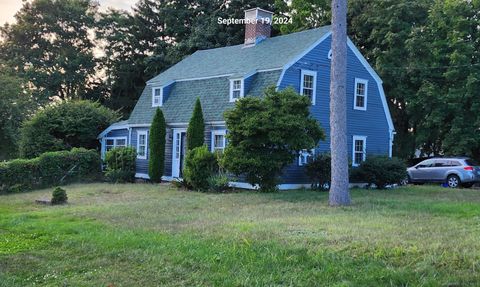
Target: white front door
x,y
179,150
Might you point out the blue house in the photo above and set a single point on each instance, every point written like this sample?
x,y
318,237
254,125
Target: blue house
x,y
221,76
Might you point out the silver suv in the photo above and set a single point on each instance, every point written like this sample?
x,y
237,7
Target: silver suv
x,y
454,171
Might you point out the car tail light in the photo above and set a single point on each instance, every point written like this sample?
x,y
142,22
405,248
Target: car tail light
x,y
470,168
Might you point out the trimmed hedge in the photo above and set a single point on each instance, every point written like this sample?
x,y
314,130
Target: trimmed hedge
x,y
200,165
49,169
381,171
121,164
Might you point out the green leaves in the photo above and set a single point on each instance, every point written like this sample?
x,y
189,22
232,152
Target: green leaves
x,y
156,162
67,125
196,127
265,135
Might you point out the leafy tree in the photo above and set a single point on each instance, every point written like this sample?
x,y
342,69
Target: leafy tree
x,y
445,109
196,127
156,163
14,108
266,134
339,194
63,126
51,47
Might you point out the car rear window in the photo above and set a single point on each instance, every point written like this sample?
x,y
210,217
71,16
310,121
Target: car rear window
x,y
471,162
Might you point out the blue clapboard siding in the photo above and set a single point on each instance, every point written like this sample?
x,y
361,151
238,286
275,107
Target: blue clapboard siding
x,y
142,164
118,133
371,123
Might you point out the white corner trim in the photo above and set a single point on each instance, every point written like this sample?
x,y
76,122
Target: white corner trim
x,y
242,87
222,132
365,102
301,55
139,133
361,138
160,97
314,75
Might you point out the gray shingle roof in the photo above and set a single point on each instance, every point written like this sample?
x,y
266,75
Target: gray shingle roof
x,y
271,53
213,94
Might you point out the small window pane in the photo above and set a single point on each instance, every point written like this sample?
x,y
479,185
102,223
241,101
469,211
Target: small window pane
x,y
121,142
236,94
237,85
360,101
308,81
361,89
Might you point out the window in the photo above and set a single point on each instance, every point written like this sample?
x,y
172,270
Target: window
x,y
236,89
308,84
157,97
360,99
305,156
426,163
142,145
111,143
219,141
359,150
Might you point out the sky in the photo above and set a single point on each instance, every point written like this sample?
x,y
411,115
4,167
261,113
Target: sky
x,y
8,8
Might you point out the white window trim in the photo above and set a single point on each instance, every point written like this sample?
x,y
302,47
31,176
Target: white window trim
x,y
160,102
361,138
212,140
365,82
232,99
104,148
311,153
139,133
314,92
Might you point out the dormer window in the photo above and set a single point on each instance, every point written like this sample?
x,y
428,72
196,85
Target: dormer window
x,y
236,89
157,97
308,84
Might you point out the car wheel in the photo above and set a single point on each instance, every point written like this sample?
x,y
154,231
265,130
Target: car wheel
x,y
467,185
453,181
405,181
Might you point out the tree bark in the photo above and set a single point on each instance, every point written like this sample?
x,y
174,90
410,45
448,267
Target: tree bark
x,y
339,193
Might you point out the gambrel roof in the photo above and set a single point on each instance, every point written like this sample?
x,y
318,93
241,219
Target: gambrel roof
x,y
239,60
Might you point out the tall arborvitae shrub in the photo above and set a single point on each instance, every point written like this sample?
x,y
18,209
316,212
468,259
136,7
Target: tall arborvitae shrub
x,y
156,164
196,128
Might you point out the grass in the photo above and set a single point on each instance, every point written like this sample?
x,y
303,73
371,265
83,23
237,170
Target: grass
x,y
154,235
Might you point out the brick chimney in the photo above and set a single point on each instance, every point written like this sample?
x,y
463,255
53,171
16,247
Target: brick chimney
x,y
258,25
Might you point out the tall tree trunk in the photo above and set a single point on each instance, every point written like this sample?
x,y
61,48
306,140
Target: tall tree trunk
x,y
339,194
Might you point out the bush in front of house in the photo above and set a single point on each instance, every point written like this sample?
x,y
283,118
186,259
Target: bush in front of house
x,y
64,126
59,196
156,162
319,171
266,133
196,127
218,182
381,171
200,165
50,169
121,163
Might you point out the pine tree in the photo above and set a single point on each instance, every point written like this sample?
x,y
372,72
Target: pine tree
x,y
196,128
339,194
156,163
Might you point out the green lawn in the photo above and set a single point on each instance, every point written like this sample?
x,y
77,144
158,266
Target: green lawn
x,y
154,235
